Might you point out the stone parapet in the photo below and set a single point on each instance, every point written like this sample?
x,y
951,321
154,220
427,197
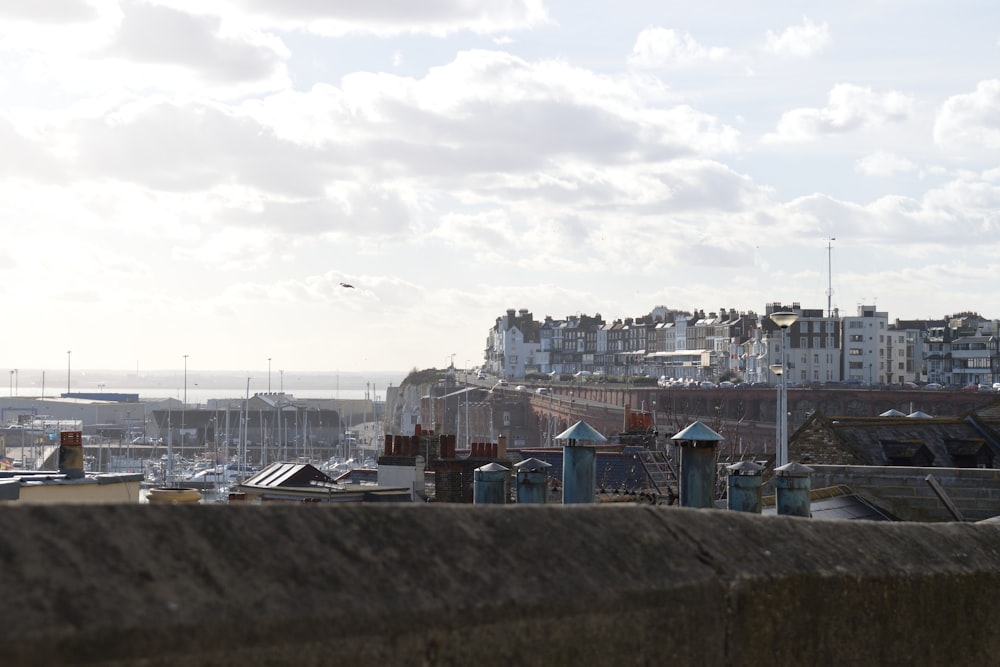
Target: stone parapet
x,y
490,585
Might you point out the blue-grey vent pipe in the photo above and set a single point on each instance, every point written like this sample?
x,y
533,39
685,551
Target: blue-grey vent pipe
x,y
744,486
579,474
489,485
532,486
697,474
792,486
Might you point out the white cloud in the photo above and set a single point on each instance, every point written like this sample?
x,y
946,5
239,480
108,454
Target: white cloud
x,y
883,163
192,147
799,41
216,173
850,108
140,47
50,11
970,124
667,48
164,36
396,17
386,161
487,113
962,212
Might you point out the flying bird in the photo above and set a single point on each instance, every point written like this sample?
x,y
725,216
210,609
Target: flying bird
x,y
348,286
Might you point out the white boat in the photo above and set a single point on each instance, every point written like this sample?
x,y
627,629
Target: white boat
x,y
220,475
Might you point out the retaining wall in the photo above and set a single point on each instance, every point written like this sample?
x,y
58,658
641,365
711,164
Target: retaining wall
x,y
490,585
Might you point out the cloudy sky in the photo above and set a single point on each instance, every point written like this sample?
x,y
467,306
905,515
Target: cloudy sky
x,y
198,177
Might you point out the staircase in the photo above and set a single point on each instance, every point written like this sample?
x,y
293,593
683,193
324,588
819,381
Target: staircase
x,y
661,473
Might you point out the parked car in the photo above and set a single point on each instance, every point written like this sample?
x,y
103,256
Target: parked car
x,y
933,386
542,390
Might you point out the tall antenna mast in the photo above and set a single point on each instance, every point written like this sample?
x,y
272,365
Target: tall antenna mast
x,y
829,276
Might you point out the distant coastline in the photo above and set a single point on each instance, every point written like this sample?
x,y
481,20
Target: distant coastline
x,y
200,384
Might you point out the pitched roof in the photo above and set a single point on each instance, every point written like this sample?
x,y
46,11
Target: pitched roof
x,y
878,441
838,503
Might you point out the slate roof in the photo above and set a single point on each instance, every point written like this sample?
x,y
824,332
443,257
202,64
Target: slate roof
x,y
839,503
877,441
304,482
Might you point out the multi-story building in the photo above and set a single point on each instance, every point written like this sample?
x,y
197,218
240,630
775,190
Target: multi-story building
x,y
858,349
961,350
865,346
730,331
753,357
512,344
937,354
813,354
974,360
907,345
973,350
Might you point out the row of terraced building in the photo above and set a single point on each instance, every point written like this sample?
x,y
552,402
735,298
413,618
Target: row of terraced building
x,y
823,346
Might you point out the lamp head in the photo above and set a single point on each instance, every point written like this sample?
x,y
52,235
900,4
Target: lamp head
x,y
784,319
777,369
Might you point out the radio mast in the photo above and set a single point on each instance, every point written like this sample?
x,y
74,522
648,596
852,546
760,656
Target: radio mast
x,y
829,276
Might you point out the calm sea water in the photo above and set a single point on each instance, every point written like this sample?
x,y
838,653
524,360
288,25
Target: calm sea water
x,y
197,395
200,386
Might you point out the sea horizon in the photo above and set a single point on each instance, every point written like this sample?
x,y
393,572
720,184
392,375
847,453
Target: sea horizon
x,y
200,386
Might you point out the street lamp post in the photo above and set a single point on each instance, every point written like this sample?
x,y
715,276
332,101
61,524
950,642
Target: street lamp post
x,y
68,358
468,441
269,375
783,320
184,406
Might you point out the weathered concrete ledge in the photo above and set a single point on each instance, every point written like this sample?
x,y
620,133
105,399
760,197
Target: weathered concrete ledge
x,y
490,585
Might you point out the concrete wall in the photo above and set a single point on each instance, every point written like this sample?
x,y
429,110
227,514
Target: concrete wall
x,y
903,491
490,585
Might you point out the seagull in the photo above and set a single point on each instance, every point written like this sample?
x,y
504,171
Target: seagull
x,y
346,285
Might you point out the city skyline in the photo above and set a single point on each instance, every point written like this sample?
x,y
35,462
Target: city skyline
x,y
326,186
